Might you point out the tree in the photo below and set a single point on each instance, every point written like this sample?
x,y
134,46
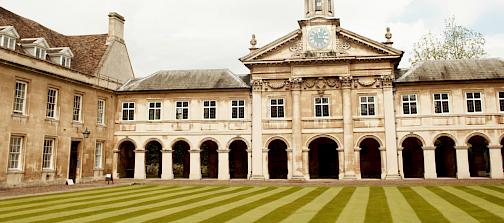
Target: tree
x,y
456,42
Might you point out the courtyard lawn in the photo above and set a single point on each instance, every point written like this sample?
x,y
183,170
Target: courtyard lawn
x,y
171,203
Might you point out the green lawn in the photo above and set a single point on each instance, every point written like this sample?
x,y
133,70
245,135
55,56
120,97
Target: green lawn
x,y
159,203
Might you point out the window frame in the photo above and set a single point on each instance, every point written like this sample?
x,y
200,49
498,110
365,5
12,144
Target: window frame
x,y
40,53
24,98
51,154
277,105
500,99
154,109
474,100
100,116
65,61
240,109
19,154
98,157
80,108
54,104
130,110
8,42
441,100
367,103
321,105
184,107
409,103
207,109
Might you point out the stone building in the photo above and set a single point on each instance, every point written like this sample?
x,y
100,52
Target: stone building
x,y
321,102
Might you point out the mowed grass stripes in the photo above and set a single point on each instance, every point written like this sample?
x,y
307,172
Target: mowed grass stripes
x,y
186,203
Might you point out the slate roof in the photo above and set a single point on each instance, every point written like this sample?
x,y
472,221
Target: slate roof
x,y
186,80
88,49
454,70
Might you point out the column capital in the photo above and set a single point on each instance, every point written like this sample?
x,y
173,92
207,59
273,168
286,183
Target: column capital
x,y
116,151
248,150
387,81
306,150
223,151
139,151
257,85
383,148
167,151
340,149
400,149
194,151
265,150
357,149
295,83
429,148
461,147
497,147
346,82
289,150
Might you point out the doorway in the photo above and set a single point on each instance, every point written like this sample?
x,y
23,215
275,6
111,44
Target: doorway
x,y
74,160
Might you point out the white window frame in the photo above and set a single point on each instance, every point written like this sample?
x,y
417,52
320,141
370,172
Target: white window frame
x,y
474,101
321,105
8,42
129,110
65,61
181,108
77,108
52,103
40,53
278,106
368,104
100,113
20,97
152,106
208,107
98,164
15,158
500,96
238,109
441,100
409,102
48,154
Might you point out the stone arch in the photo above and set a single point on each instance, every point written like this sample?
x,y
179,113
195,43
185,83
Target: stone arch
x,y
413,157
181,139
323,158
235,139
209,139
271,139
472,134
335,139
238,158
478,155
452,137
181,158
124,140
376,138
153,158
412,135
277,159
126,158
209,158
370,158
446,156
152,140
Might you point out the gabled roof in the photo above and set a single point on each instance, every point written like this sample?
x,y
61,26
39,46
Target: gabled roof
x,y
41,42
9,30
88,49
454,70
272,46
66,51
186,80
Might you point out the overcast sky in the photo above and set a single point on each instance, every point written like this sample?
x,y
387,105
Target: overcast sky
x,y
172,34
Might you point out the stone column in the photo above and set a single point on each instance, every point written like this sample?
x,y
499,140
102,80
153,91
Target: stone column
x,y
257,147
195,169
384,158
289,163
351,161
167,169
297,140
140,164
400,162
265,163
496,171
430,162
392,170
356,154
249,163
115,164
223,165
462,162
306,163
341,163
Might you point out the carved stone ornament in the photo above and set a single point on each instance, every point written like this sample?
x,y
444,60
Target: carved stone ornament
x,y
321,83
342,46
297,49
387,80
296,82
276,84
257,85
309,83
367,83
346,81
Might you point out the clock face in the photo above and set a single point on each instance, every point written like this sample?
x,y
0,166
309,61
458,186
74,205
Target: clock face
x,y
319,37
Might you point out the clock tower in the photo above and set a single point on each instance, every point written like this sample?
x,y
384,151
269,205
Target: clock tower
x,y
319,8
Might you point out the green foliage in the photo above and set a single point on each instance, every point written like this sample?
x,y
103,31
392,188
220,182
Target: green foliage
x,y
456,42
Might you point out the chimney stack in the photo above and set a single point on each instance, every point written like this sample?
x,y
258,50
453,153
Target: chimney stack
x,y
116,26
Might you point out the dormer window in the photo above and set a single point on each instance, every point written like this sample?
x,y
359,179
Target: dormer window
x,y
36,47
8,42
65,61
40,53
61,55
8,36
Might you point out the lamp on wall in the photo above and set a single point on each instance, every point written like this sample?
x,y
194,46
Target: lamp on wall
x,y
86,133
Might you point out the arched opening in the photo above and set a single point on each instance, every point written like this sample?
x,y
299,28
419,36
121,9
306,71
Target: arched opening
x,y
446,157
181,159
209,159
323,158
370,159
153,158
277,159
238,160
413,158
126,162
479,157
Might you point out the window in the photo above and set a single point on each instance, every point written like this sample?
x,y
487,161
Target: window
x,y
100,117
318,5
65,61
128,111
155,111
20,97
501,101
40,53
367,105
321,107
441,103
98,155
8,42
77,108
52,101
409,104
209,109
182,110
47,156
238,109
277,108
15,149
473,102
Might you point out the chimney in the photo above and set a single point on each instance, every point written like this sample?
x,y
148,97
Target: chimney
x,y
116,26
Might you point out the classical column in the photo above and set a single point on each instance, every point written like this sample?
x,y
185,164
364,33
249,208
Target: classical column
x,y
223,165
496,171
265,163
289,163
115,164
356,155
195,169
392,170
462,162
140,164
351,161
306,163
430,162
297,140
400,161
341,163
167,161
257,147
249,163
384,158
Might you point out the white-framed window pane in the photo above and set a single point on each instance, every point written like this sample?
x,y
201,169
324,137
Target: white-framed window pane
x,y
409,103
277,108
98,155
47,155
321,107
182,110
15,149
100,115
52,100
441,103
77,108
501,101
128,111
155,111
209,109
367,105
473,100
238,109
20,97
